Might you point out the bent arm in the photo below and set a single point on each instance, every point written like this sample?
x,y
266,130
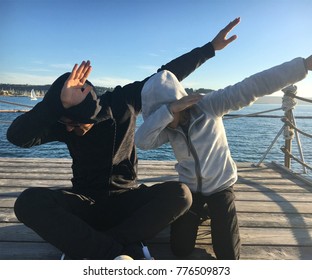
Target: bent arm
x,y
151,134
33,128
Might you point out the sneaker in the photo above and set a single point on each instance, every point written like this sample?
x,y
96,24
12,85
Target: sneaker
x,y
135,251
123,258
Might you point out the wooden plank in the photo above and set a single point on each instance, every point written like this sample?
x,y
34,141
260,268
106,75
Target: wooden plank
x,y
275,220
28,251
13,232
205,252
6,191
276,236
242,206
285,188
45,251
17,232
272,207
290,188
14,191
284,252
256,236
7,216
264,220
8,183
273,196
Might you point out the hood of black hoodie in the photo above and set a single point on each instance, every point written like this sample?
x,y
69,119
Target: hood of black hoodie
x,y
93,109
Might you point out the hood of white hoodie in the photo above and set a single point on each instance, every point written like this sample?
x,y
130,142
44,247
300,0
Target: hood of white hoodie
x,y
161,88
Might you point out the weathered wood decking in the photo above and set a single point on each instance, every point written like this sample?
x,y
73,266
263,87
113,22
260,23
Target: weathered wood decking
x,y
274,210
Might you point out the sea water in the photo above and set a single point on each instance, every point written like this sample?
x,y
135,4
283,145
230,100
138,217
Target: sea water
x,y
249,138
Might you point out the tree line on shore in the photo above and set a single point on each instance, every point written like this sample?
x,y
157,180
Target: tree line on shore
x,y
24,90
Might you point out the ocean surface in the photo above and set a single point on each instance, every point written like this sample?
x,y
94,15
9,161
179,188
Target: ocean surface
x,y
249,138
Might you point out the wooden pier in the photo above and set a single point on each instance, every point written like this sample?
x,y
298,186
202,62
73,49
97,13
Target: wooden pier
x,y
274,210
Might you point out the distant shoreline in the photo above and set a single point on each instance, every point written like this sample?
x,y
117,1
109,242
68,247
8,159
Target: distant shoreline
x,y
261,100
278,100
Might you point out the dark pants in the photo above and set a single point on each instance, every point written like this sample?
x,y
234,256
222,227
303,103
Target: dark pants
x,y
83,227
223,221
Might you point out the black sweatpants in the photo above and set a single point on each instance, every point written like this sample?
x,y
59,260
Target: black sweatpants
x,y
85,227
223,221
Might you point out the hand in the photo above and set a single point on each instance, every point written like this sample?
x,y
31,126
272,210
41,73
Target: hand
x,y
309,63
184,103
220,42
72,94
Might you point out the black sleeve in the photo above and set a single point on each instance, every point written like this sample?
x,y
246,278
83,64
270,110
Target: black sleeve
x,y
185,64
181,67
33,128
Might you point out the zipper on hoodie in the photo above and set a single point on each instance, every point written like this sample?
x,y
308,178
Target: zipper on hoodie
x,y
195,155
192,150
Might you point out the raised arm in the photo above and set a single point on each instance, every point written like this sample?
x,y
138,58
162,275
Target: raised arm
x,y
263,83
63,97
184,65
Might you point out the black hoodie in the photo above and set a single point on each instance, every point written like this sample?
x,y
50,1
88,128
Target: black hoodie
x,y
104,159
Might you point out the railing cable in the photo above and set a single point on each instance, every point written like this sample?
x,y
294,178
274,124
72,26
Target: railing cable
x,y
285,151
302,98
286,121
250,115
13,103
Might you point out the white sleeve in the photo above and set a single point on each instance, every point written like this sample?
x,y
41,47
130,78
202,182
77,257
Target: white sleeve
x,y
151,134
247,91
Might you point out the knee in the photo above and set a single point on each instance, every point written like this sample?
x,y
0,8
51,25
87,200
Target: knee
x,y
27,203
182,194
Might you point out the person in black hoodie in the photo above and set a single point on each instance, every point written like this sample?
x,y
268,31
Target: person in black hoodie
x,y
105,214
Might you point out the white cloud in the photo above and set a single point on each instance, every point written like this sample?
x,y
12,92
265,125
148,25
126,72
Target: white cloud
x,y
65,66
22,78
149,68
28,69
110,81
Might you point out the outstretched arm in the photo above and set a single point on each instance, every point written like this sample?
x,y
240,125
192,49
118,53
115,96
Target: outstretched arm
x,y
266,82
185,64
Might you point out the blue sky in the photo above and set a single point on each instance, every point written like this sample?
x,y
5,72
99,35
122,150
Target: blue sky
x,y
129,40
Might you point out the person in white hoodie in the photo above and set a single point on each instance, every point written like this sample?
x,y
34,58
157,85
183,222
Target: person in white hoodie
x,y
193,125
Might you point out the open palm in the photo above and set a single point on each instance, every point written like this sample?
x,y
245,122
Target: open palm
x,y
220,41
184,103
72,94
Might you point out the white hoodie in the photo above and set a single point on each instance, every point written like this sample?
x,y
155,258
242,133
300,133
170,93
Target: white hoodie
x,y
204,159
